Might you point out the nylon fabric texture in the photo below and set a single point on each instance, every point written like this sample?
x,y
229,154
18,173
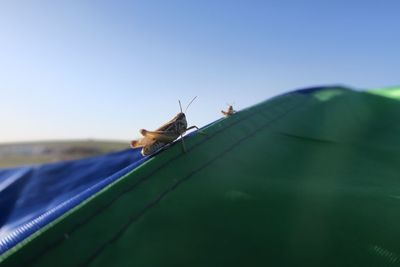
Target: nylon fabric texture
x,y
308,178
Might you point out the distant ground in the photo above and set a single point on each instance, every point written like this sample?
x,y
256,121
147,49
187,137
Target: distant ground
x,y
28,153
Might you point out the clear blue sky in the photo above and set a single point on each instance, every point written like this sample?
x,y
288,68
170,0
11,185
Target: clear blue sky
x,y
104,69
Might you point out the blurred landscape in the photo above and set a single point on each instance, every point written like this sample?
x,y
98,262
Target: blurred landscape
x,y
28,153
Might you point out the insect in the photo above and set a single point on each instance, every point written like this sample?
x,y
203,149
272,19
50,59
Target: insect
x,y
229,112
152,141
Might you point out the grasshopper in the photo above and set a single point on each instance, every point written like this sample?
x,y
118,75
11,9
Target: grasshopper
x,y
229,112
152,141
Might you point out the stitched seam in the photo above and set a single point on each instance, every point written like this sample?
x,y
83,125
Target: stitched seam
x,y
156,200
57,242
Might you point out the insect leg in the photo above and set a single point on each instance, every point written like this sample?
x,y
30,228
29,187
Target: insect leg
x,y
135,143
138,142
195,127
162,136
183,144
192,127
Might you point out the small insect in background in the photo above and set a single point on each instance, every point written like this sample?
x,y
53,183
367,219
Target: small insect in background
x,y
230,111
153,141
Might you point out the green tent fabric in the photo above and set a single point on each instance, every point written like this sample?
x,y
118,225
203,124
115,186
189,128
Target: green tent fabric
x,y
309,178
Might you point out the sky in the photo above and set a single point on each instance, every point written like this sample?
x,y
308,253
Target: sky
x,y
105,69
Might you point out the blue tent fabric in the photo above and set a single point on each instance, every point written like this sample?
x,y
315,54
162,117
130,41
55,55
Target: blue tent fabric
x,y
33,196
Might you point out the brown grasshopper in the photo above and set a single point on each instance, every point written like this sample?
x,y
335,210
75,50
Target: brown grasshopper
x,y
229,112
152,141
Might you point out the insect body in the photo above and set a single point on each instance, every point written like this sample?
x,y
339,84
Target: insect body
x,y
229,112
152,141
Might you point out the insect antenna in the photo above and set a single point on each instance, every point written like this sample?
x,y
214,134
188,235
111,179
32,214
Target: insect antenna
x,y
190,103
180,106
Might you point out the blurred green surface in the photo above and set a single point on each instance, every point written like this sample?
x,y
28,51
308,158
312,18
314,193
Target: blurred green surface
x,y
299,180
